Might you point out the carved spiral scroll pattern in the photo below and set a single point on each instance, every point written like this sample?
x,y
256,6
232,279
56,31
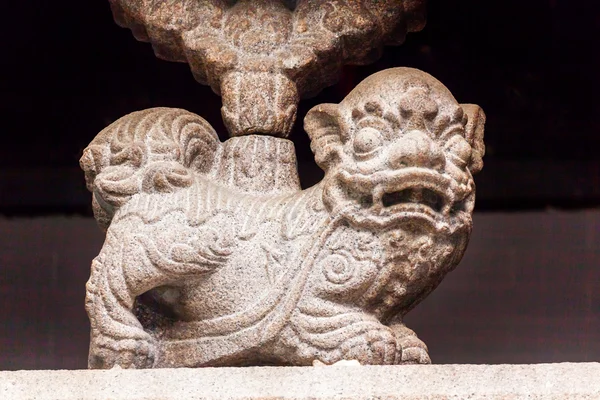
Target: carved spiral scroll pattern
x,y
337,268
286,49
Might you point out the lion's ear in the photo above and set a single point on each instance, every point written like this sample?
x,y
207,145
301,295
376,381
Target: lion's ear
x,y
326,130
474,135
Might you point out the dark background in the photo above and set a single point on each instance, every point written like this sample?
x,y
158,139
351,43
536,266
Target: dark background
x,y
529,287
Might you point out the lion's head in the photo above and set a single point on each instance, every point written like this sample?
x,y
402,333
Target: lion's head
x,y
399,149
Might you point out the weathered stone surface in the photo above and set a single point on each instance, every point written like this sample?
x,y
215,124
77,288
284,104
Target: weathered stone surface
x,y
409,382
262,56
232,264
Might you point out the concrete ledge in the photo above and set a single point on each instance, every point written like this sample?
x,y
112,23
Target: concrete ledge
x,y
541,381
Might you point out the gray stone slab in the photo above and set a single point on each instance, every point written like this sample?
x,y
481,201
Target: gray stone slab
x,y
540,381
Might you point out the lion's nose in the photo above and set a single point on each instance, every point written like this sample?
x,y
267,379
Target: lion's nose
x,y
416,149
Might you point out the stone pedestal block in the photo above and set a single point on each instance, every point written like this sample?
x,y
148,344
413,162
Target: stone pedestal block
x,y
409,382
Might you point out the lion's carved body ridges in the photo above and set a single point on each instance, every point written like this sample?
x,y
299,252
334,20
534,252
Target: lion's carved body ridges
x,y
206,198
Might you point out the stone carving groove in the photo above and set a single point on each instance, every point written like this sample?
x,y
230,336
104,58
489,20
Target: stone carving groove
x,y
263,56
215,256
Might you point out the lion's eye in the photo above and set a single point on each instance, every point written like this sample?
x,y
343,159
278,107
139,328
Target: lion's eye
x,y
460,149
367,140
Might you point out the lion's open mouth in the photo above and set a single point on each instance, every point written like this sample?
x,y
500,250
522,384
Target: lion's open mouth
x,y
426,197
425,200
420,200
390,198
416,191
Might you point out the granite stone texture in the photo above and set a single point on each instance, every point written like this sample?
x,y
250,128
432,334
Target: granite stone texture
x,y
214,256
263,56
409,382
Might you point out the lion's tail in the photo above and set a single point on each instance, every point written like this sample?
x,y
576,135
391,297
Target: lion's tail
x,y
155,150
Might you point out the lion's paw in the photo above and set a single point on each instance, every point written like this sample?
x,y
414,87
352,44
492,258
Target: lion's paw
x,y
375,347
414,355
123,353
413,351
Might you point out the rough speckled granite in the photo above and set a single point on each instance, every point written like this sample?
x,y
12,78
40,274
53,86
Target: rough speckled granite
x,y
232,264
262,56
412,382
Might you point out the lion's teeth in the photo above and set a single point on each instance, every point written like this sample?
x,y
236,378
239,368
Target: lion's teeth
x,y
378,198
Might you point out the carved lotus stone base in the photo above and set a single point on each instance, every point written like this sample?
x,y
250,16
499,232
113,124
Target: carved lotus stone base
x,y
262,56
214,255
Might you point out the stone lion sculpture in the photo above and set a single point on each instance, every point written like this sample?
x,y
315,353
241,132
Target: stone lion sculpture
x,y
214,256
